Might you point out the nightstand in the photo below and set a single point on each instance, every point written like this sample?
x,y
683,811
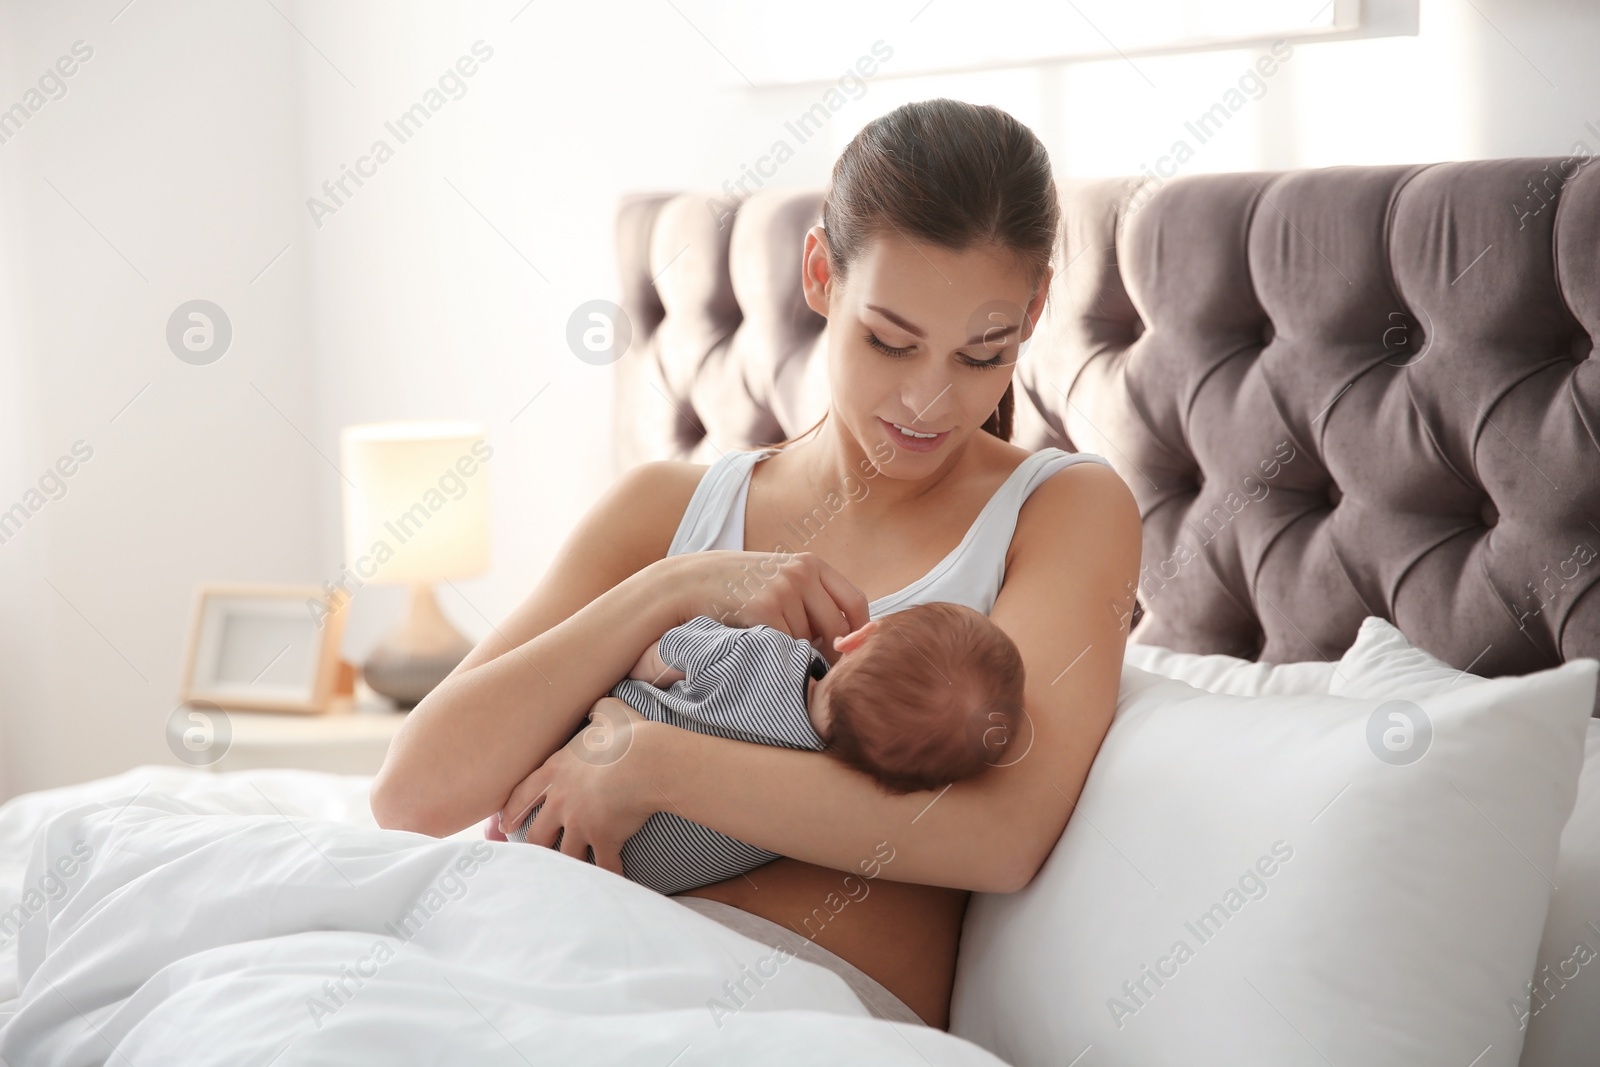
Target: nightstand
x,y
352,738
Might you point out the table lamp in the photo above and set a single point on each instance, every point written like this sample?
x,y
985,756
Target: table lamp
x,y
416,511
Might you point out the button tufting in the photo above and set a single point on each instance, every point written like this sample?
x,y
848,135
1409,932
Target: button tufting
x,y
1268,332
1335,494
1489,513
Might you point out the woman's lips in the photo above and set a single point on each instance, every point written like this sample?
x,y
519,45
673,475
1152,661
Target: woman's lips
x,y
915,444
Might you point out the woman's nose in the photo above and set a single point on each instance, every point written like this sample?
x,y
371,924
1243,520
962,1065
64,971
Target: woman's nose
x,y
927,397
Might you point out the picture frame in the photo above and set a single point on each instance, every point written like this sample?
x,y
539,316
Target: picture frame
x,y
264,647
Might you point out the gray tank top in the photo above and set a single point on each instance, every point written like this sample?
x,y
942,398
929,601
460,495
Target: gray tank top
x,y
971,574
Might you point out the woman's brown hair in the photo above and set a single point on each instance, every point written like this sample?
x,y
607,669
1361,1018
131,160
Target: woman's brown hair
x,y
951,174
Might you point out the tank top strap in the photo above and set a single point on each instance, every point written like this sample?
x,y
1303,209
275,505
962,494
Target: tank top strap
x,y
719,488
973,573
1039,466
981,569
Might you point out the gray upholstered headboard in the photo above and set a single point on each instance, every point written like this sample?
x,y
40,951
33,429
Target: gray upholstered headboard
x,y
1335,393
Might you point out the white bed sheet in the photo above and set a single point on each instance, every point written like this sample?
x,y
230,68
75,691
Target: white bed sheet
x,y
173,916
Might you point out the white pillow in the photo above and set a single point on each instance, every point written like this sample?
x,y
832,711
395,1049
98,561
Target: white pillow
x,y
1382,662
1247,881
1229,674
1563,1024
1564,1027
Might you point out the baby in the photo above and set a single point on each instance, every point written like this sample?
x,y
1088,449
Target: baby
x,y
916,699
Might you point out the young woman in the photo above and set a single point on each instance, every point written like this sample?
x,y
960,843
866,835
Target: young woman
x,y
932,264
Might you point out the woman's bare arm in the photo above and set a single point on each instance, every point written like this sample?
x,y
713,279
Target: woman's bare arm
x,y
1068,593
522,691
520,695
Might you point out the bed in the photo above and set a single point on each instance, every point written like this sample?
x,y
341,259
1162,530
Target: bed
x,y
1358,408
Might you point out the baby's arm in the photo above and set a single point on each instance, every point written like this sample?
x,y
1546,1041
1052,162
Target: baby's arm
x,y
653,669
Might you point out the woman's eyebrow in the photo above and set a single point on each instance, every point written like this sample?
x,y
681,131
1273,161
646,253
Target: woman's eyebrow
x,y
988,336
915,331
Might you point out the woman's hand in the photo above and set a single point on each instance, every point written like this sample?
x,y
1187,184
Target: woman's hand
x,y
798,593
593,796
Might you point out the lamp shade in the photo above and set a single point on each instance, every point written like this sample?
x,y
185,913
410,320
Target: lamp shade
x,y
418,509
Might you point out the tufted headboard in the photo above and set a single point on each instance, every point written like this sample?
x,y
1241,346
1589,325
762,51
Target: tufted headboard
x,y
1334,393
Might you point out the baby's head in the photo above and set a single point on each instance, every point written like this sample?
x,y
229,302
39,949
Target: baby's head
x,y
922,697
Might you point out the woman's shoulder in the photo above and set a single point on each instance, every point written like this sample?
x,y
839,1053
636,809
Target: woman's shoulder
x,y
1088,483
664,484
671,483
655,496
646,502
1080,505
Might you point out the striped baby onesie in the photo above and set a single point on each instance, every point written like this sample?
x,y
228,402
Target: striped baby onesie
x,y
744,683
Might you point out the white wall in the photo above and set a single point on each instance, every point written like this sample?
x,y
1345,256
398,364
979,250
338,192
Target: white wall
x,y
195,135
444,287
167,172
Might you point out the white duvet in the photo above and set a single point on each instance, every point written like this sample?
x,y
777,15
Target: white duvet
x,y
170,916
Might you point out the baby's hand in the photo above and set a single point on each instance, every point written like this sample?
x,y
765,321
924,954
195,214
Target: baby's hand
x,y
651,668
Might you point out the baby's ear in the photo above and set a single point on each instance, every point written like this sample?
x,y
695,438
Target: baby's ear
x,y
854,638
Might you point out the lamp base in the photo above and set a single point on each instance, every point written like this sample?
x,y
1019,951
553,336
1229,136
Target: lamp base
x,y
417,654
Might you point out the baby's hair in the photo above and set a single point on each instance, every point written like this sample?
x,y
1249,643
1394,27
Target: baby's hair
x,y
895,697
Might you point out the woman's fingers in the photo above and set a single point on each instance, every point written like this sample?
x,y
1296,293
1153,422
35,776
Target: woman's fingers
x,y
607,854
826,621
849,599
522,800
574,845
794,618
818,603
581,796
545,827
805,597
582,846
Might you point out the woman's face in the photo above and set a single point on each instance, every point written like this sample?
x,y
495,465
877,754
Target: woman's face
x,y
920,336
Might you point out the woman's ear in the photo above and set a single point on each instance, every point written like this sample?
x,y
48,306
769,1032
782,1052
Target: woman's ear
x,y
815,271
1036,305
